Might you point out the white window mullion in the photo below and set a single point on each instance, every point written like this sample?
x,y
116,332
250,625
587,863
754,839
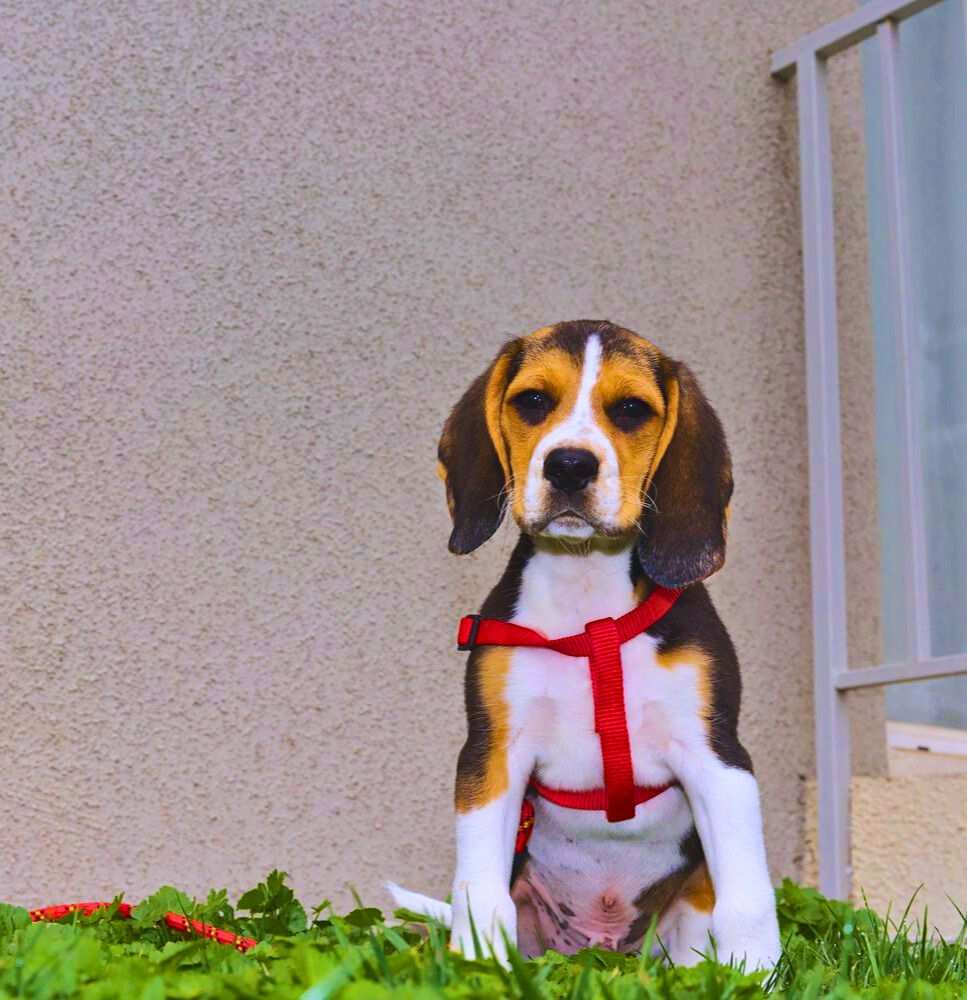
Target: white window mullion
x,y
825,476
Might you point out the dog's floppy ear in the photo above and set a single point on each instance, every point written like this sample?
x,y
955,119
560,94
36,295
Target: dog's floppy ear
x,y
473,456
683,526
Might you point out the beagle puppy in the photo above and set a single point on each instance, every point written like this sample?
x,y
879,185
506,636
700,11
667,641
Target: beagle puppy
x,y
616,470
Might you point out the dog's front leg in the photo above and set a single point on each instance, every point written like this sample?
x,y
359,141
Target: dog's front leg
x,y
725,805
486,833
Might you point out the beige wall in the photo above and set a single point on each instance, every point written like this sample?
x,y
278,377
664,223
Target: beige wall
x,y
249,256
908,844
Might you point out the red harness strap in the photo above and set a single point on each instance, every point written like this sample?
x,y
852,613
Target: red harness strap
x,y
601,643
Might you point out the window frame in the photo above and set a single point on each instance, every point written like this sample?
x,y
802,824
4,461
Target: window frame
x,y
833,678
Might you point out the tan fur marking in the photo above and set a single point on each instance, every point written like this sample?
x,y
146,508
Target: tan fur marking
x,y
698,890
474,791
692,656
667,432
556,373
640,450
441,471
493,402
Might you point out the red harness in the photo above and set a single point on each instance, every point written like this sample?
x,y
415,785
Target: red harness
x,y
601,643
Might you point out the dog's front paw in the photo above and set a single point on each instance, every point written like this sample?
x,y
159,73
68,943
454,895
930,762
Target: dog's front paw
x,y
494,919
748,934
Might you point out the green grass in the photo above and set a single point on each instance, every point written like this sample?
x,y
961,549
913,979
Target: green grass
x,y
831,950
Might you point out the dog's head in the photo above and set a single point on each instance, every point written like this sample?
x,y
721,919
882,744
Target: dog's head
x,y
585,429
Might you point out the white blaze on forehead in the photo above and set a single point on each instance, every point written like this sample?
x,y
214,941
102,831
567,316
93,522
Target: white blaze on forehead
x,y
590,370
579,429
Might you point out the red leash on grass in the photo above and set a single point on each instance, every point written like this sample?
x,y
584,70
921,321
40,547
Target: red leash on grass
x,y
176,921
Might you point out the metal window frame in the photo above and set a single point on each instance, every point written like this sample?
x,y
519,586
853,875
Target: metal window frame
x,y
833,678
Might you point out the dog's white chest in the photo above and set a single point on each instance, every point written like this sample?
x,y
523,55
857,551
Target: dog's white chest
x,y
549,694
551,701
587,881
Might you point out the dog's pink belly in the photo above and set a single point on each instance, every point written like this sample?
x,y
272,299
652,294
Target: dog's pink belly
x,y
551,915
546,922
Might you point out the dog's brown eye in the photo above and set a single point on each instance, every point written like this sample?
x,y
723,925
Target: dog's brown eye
x,y
629,414
532,405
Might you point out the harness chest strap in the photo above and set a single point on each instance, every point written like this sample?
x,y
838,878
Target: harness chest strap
x,y
601,643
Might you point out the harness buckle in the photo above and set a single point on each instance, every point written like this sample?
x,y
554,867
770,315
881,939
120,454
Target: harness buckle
x,y
471,641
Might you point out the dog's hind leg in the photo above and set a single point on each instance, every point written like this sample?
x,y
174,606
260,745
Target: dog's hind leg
x,y
725,803
683,933
685,926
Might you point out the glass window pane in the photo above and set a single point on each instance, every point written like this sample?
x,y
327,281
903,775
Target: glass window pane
x,y
934,96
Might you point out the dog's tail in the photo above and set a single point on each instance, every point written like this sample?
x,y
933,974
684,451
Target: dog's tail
x,y
435,908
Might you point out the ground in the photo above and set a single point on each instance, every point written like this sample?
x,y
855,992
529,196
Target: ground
x,y
830,949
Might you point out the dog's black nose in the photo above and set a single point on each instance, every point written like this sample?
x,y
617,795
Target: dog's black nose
x,y
570,469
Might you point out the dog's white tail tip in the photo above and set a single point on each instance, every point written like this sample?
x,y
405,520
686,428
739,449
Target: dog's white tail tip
x,y
435,908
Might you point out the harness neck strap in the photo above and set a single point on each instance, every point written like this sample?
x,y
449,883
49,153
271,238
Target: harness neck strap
x,y
601,643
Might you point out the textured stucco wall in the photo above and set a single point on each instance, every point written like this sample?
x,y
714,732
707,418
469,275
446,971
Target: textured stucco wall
x,y
249,255
908,840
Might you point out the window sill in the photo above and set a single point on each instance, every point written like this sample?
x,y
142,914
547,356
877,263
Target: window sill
x,y
915,749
